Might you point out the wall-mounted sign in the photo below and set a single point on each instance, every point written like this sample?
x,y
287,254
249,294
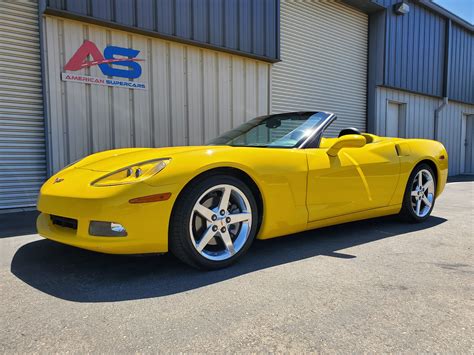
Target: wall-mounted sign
x,y
127,59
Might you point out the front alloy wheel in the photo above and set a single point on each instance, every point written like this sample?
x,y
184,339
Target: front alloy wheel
x,y
214,222
220,222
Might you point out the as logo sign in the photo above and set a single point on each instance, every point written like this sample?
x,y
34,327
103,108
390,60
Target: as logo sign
x,y
79,60
115,62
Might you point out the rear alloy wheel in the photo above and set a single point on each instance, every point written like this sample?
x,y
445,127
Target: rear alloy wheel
x,y
420,194
213,223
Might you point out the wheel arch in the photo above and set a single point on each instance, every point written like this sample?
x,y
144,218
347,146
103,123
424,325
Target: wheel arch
x,y
433,154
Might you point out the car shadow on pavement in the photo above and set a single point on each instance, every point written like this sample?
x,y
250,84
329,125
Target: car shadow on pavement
x,y
82,276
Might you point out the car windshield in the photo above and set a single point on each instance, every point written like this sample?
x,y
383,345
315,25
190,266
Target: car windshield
x,y
285,130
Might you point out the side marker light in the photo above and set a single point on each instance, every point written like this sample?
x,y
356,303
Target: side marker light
x,y
152,198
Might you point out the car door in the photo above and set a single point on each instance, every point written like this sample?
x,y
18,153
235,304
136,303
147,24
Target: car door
x,y
356,179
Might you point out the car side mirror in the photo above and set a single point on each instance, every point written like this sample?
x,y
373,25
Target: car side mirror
x,y
347,141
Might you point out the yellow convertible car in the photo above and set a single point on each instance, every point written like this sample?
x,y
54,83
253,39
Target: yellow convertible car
x,y
272,176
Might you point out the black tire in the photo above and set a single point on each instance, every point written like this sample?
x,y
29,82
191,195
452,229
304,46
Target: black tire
x,y
180,238
407,213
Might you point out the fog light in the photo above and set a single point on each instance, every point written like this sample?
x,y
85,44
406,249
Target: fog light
x,y
107,229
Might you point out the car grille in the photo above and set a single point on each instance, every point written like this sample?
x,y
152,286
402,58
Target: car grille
x,y
64,222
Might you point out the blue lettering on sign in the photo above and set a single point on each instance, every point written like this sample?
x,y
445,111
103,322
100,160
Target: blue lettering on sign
x,y
134,71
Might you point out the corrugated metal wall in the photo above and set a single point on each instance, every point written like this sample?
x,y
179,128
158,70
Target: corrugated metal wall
x,y
420,120
415,46
414,58
193,94
248,26
22,143
461,84
324,61
375,71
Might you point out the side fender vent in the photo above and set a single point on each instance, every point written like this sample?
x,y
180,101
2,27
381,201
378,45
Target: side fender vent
x,y
397,148
403,149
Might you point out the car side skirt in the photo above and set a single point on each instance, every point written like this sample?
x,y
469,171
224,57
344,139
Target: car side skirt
x,y
352,217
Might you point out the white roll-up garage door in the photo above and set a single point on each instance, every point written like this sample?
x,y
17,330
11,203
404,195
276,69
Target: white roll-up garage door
x,y
324,61
22,144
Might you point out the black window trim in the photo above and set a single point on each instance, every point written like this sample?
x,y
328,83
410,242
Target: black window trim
x,y
314,139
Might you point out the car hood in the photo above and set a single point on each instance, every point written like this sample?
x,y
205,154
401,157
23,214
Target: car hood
x,y
113,160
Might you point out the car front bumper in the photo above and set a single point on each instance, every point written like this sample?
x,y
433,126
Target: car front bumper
x,y
146,224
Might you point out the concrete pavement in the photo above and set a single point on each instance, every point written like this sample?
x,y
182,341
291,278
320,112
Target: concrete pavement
x,y
378,285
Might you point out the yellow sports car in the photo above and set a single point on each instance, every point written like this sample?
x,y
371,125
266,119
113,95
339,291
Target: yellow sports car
x,y
272,176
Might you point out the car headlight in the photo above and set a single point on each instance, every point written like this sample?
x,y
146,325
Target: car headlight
x,y
133,173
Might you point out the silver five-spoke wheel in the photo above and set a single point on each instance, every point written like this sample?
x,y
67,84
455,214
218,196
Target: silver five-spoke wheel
x,y
422,193
220,222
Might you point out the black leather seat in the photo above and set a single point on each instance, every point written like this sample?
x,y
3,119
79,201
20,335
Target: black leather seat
x,y
349,130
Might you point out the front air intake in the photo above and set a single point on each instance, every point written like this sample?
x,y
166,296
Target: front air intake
x,y
64,222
